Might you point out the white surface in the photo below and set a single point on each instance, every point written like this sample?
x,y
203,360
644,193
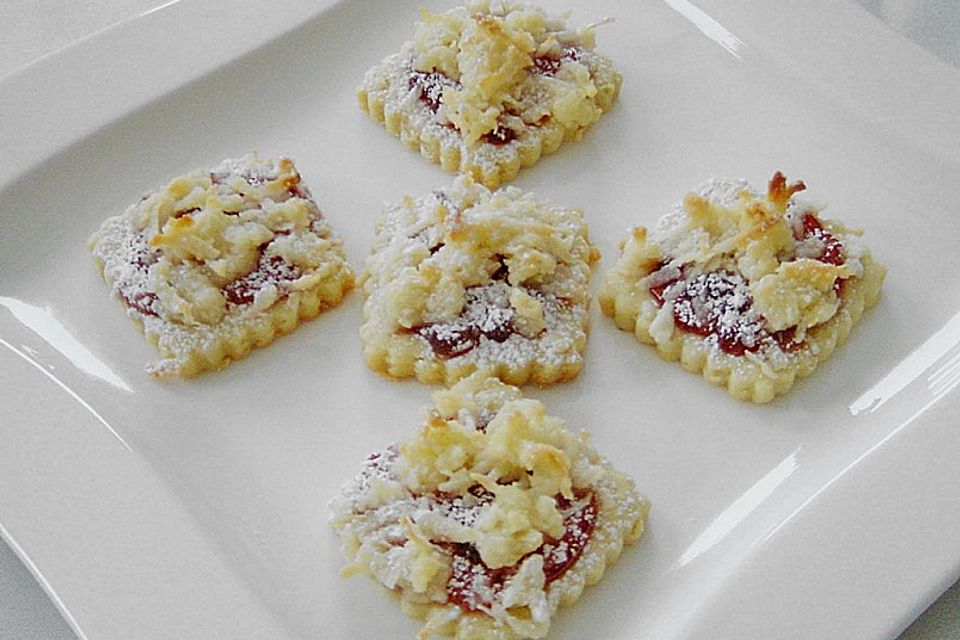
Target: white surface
x,y
221,512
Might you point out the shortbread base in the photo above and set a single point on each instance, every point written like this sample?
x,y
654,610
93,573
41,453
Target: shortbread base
x,y
398,356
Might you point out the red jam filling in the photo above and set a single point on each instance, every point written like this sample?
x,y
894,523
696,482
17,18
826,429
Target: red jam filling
x,y
472,585
481,317
273,270
448,341
787,339
549,65
500,136
502,271
657,290
144,302
430,85
832,252
718,303
299,191
560,555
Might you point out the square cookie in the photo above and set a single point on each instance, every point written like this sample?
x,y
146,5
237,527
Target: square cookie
x,y
220,261
489,87
464,278
489,518
753,290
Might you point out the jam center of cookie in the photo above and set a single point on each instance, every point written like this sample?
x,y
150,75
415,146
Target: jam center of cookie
x,y
431,85
549,65
270,270
719,303
486,314
832,251
473,585
500,136
578,524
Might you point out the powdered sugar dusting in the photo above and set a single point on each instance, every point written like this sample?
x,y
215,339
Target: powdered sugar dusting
x,y
271,272
247,168
718,303
484,332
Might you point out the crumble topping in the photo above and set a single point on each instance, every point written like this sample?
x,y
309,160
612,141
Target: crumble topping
x,y
242,222
750,264
216,252
760,278
505,59
468,277
489,517
487,87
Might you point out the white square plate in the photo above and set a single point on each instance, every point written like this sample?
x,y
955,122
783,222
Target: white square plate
x,y
196,509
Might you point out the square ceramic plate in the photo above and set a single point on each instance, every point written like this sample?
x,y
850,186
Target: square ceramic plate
x,y
196,509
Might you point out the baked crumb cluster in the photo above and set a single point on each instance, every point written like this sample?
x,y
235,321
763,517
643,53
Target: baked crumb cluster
x,y
220,261
487,88
490,517
464,278
753,290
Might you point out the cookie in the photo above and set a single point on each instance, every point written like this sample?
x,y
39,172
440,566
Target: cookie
x,y
464,278
489,87
489,518
752,290
221,261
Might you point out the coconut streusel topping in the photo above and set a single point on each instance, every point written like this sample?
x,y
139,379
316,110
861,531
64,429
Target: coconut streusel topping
x,y
464,278
220,261
490,517
490,86
751,289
